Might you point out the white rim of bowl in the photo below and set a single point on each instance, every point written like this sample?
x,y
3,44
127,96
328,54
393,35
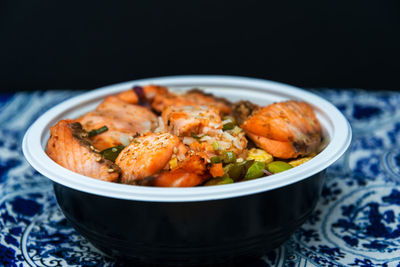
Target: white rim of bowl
x,y
36,156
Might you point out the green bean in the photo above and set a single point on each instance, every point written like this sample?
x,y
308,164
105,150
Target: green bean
x,y
215,159
98,131
278,166
112,152
219,181
228,157
255,171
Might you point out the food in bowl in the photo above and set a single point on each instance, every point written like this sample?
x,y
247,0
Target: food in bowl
x,y
198,225
151,136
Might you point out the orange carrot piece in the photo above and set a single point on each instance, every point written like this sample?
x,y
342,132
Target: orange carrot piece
x,y
216,170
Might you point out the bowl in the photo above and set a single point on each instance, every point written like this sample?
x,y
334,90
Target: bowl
x,y
199,225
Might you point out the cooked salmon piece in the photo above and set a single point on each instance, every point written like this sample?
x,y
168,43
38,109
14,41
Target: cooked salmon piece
x,y
191,172
123,121
152,90
147,155
285,129
139,117
189,120
147,161
70,147
117,129
191,98
142,93
159,97
178,178
128,96
279,149
200,128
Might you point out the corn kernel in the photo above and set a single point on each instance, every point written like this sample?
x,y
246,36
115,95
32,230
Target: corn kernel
x,y
173,163
259,155
299,161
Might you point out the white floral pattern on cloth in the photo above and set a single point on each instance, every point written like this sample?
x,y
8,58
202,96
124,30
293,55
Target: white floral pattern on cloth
x,y
356,221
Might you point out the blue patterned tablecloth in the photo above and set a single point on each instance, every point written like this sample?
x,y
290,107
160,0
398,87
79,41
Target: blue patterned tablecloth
x,y
356,222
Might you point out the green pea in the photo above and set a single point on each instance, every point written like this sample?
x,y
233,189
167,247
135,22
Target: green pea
x,y
215,159
219,181
255,171
278,166
237,171
228,157
228,126
112,152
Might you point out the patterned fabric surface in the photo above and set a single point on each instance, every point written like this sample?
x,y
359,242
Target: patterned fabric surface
x,y
356,222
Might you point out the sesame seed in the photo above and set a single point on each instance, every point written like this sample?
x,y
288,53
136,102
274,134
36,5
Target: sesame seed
x,y
110,170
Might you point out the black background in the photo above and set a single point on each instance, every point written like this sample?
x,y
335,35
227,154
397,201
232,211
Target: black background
x,y
82,45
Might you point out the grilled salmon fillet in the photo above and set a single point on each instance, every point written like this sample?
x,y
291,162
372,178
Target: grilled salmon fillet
x,y
146,155
191,98
285,129
70,147
121,118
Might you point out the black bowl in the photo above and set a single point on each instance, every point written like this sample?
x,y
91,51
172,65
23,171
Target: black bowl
x,y
191,226
207,232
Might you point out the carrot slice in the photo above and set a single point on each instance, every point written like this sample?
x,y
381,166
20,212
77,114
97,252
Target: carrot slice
x,y
216,170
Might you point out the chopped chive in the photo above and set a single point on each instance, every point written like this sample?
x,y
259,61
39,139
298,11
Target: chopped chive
x,y
112,152
98,131
228,126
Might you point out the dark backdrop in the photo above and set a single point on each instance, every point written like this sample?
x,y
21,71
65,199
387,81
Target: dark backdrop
x,y
67,44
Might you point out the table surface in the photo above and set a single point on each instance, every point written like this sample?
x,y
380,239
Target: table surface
x,y
356,221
